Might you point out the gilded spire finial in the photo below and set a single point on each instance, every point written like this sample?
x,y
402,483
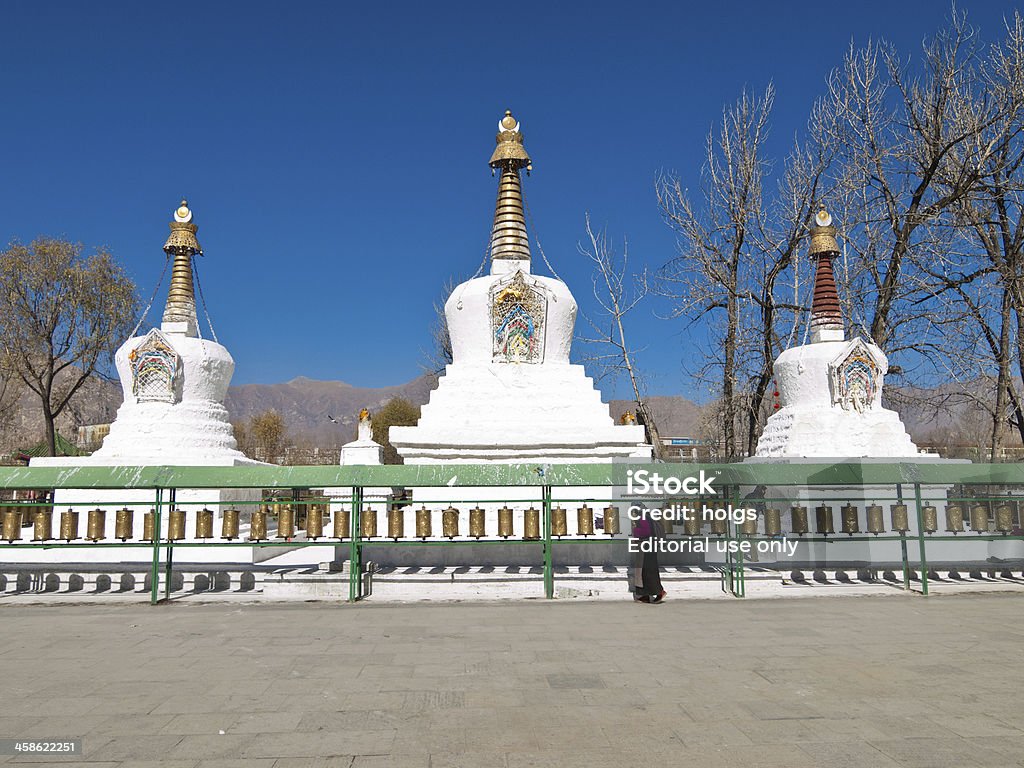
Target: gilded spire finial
x,y
182,245
508,235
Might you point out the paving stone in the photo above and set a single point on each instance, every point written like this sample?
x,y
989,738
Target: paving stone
x,y
523,684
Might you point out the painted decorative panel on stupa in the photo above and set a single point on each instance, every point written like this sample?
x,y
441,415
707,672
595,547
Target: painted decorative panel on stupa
x,y
518,320
155,369
855,378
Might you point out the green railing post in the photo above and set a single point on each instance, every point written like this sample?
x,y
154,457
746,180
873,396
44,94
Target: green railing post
x,y
903,543
172,500
549,573
920,540
154,584
354,553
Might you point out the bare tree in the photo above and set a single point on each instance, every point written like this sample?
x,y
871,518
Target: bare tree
x,y
911,147
440,353
617,292
710,281
62,316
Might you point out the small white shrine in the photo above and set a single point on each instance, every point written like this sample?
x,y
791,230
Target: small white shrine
x,y
174,383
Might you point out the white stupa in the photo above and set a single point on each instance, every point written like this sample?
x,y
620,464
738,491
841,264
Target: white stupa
x,y
174,382
173,413
510,394
830,390
830,409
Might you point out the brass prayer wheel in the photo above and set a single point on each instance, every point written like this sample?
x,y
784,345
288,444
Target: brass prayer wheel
x,y
798,515
666,525
149,525
585,521
176,525
876,519
396,523
96,525
477,521
229,524
124,524
773,522
851,524
823,519
1004,518
315,521
693,521
611,520
559,522
424,525
368,523
899,517
342,524
204,523
979,518
450,522
42,526
69,524
11,524
929,519
504,522
531,524
258,524
285,520
749,527
954,519
719,527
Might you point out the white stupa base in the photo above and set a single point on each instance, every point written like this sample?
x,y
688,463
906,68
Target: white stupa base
x,y
513,413
802,431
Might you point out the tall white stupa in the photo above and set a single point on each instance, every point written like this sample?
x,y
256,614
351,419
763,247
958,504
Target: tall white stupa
x,y
174,384
510,394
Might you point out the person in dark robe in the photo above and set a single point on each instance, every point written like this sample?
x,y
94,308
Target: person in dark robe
x,y
646,575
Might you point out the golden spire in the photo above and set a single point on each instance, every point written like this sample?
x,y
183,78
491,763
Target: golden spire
x,y
182,245
508,235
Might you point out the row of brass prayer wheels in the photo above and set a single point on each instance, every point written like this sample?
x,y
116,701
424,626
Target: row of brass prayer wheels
x,y
898,516
285,514
451,523
96,524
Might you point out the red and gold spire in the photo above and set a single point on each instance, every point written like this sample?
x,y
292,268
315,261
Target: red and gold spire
x,y
826,313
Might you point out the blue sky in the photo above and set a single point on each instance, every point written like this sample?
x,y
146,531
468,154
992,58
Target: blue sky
x,y
335,154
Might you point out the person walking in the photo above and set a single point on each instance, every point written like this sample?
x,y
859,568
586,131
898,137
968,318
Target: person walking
x,y
645,573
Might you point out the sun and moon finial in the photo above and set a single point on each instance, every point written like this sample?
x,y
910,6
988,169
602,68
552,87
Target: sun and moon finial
x,y
183,215
823,234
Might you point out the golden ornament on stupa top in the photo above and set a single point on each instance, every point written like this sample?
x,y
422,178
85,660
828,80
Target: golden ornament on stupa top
x,y
510,150
183,233
823,235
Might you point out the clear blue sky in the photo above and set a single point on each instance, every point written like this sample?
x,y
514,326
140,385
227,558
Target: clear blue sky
x,y
335,154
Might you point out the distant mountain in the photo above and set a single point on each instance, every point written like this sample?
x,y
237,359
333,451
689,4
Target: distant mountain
x,y
674,416
306,403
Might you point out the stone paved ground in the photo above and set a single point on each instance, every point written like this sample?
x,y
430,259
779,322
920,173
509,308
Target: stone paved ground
x,y
836,682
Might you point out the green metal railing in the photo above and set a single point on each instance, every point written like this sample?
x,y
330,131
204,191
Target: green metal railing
x,y
730,480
